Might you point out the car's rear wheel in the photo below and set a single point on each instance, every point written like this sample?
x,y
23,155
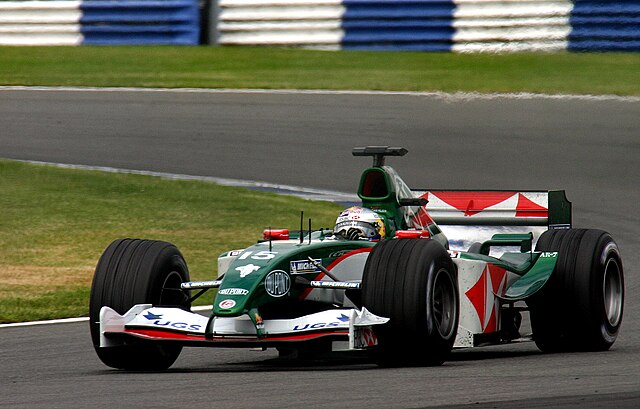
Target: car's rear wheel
x,y
580,308
132,272
413,282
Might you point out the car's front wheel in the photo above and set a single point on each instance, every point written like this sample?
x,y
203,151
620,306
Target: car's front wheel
x,y
413,282
132,272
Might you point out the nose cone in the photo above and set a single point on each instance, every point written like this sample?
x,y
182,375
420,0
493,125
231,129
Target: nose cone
x,y
237,288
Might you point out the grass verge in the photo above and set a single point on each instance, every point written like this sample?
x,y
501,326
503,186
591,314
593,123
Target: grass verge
x,y
277,68
56,223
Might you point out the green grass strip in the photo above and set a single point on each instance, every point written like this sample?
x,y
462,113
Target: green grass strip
x,y
278,68
56,223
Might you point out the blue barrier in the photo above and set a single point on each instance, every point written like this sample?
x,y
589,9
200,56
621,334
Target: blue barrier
x,y
605,26
398,25
140,22
432,47
404,24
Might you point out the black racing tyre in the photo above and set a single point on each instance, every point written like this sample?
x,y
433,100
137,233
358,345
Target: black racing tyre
x,y
131,272
580,308
414,283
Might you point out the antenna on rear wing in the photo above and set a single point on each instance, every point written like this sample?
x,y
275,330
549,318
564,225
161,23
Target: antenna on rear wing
x,y
378,153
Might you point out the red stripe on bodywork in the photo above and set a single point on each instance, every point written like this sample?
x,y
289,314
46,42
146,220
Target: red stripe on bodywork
x,y
165,335
156,334
472,203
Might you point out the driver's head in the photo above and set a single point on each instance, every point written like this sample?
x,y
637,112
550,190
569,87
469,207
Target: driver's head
x,y
359,223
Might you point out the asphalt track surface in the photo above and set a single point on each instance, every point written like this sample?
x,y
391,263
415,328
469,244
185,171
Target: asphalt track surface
x,y
588,147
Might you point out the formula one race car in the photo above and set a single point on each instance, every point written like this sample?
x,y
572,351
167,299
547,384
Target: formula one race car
x,y
386,279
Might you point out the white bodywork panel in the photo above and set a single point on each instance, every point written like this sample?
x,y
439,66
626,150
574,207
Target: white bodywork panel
x,y
346,268
225,260
479,284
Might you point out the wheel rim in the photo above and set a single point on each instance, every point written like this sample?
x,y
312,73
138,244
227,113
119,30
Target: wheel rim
x,y
612,291
171,294
444,303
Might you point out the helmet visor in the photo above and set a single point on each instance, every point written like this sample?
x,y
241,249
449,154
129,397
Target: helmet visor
x,y
367,229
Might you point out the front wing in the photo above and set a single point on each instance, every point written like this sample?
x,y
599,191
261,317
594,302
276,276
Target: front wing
x,y
168,324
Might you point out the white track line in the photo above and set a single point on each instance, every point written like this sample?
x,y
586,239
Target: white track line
x,y
47,322
453,97
71,320
298,191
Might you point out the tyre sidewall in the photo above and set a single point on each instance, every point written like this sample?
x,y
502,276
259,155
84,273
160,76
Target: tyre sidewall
x,y
569,314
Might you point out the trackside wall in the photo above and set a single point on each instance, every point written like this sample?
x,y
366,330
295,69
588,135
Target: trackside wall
x,y
419,25
432,25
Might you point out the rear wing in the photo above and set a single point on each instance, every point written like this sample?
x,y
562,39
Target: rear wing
x,y
468,216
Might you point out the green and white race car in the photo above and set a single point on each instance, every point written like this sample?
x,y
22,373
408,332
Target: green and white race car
x,y
407,275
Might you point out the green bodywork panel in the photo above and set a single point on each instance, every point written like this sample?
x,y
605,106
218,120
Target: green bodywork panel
x,y
524,241
534,279
380,189
534,268
244,282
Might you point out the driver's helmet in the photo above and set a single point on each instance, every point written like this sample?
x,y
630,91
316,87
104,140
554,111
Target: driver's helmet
x,y
359,223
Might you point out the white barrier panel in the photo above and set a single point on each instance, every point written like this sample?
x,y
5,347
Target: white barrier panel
x,y
279,26
283,38
40,23
511,9
511,26
282,13
309,23
39,12
268,3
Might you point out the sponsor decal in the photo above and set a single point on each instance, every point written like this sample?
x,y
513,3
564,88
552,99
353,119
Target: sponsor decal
x,y
340,253
335,284
246,270
277,283
234,253
553,254
178,325
305,266
343,318
233,291
319,325
157,321
151,316
226,304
